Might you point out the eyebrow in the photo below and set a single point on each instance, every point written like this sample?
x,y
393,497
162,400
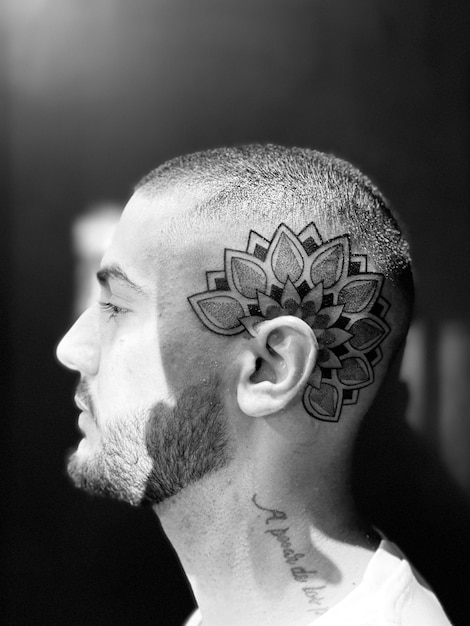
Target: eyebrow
x,y
116,273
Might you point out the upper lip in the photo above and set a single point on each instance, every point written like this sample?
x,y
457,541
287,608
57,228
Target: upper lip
x,y
81,405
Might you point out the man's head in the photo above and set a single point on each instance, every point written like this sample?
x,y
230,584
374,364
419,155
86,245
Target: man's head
x,y
246,291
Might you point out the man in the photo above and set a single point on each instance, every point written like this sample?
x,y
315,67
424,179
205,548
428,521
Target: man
x,y
251,303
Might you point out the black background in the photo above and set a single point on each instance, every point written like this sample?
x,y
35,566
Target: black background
x,y
93,96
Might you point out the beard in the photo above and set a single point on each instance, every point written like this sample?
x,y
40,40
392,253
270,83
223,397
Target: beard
x,y
149,455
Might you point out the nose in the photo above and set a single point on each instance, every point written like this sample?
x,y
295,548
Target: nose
x,y
79,348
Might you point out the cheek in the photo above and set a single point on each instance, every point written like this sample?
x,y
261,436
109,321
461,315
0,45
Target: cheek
x,y
132,371
193,358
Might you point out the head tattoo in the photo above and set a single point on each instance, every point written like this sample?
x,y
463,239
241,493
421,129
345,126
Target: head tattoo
x,y
320,282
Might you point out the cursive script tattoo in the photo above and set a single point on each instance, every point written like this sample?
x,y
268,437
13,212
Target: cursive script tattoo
x,y
299,573
289,554
275,514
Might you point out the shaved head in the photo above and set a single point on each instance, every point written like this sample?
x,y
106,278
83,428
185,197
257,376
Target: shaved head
x,y
263,186
224,199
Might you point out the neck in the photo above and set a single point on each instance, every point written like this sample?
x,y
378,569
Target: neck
x,y
267,551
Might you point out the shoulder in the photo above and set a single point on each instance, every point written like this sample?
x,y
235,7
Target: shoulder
x,y
406,598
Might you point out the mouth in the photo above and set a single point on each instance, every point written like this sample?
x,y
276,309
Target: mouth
x,y
86,415
86,423
81,405
86,420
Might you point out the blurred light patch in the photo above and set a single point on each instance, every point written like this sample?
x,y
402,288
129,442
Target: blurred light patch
x,y
28,9
454,409
438,383
52,44
92,233
413,374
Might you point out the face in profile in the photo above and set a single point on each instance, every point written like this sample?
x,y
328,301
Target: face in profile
x,y
152,415
144,439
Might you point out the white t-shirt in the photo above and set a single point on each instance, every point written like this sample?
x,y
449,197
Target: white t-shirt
x,y
389,594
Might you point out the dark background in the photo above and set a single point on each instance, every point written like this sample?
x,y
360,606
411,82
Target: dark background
x,y
94,95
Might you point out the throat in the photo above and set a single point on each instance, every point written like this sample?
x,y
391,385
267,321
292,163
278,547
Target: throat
x,y
264,562
302,570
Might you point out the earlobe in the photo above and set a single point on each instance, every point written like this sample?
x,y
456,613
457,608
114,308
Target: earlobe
x,y
276,365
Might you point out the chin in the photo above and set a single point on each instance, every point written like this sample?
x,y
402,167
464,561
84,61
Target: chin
x,y
90,471
150,455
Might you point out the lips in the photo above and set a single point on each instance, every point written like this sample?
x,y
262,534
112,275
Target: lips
x,y
86,423
86,419
81,405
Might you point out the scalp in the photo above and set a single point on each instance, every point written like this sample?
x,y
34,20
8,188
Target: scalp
x,y
265,185
329,252
221,195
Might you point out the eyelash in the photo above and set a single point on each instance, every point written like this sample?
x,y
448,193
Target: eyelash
x,y
112,310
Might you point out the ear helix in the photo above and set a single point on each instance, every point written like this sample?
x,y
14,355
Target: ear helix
x,y
276,368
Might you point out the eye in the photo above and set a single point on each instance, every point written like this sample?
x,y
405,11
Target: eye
x,y
112,310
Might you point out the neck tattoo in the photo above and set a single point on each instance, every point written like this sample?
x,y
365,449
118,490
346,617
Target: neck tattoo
x,y
276,520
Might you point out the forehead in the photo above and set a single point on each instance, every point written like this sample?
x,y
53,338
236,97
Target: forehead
x,y
139,236
164,249
163,237
142,222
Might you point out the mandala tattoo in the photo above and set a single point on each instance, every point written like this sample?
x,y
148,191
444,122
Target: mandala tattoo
x,y
320,282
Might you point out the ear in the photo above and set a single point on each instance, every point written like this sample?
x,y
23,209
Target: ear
x,y
276,365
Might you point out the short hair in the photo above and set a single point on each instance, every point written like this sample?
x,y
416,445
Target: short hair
x,y
299,184
304,196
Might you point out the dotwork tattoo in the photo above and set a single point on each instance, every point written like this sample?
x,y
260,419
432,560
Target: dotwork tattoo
x,y
301,575
320,282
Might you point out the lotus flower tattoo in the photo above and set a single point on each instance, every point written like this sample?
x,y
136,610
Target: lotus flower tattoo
x,y
320,282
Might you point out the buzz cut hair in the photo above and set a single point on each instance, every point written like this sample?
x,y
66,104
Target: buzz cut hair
x,y
321,243
274,184
299,184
